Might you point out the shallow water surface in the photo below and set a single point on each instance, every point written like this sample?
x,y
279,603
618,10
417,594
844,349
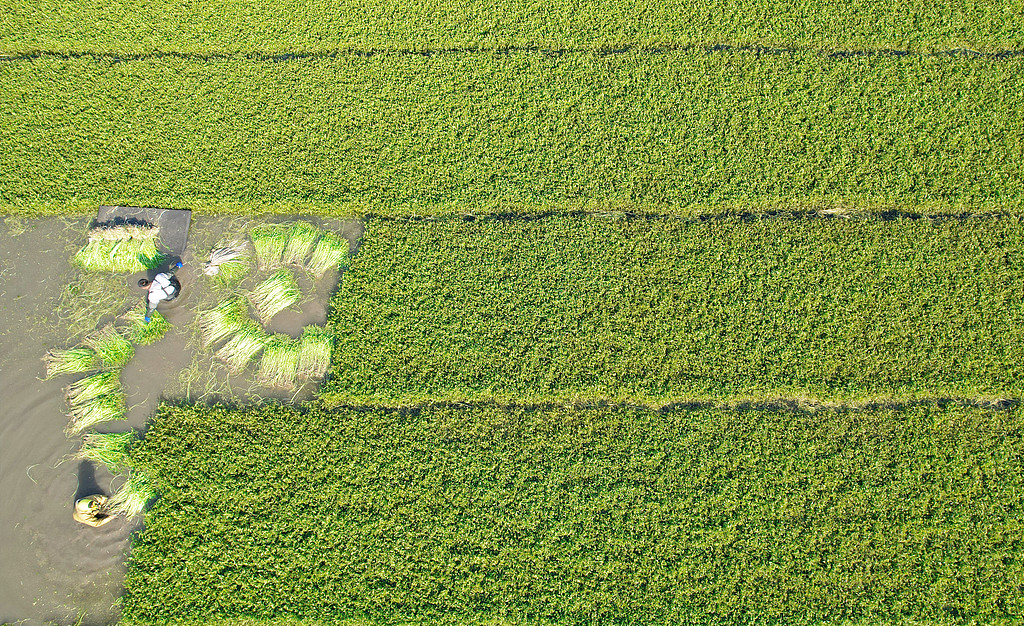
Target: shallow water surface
x,y
53,569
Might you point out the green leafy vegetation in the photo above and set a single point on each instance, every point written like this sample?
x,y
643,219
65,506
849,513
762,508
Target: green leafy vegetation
x,y
279,364
132,497
107,408
275,294
112,348
75,360
575,515
141,332
94,386
315,347
107,449
680,131
223,321
330,253
121,249
269,241
241,349
663,310
122,27
229,264
301,238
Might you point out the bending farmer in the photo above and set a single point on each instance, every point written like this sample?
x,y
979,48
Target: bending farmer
x,y
163,288
92,510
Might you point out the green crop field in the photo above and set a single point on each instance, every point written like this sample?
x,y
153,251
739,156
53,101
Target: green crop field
x,y
123,27
581,516
659,311
665,313
675,132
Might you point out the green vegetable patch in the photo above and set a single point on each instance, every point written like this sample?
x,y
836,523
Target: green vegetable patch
x,y
584,515
656,311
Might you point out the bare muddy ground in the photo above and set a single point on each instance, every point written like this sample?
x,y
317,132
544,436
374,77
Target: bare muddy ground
x,y
52,569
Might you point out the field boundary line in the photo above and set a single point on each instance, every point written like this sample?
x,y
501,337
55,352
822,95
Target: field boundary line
x,y
284,57
771,405
742,216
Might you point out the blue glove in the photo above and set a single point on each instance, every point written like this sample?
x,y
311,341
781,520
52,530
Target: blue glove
x,y
178,264
146,318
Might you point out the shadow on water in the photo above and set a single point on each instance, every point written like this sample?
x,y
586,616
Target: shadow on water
x,y
87,484
54,570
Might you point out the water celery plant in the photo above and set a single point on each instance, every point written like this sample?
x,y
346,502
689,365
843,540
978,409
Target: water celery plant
x,y
122,249
314,352
268,242
92,387
139,332
112,348
71,361
107,449
301,238
224,320
132,497
229,264
275,294
329,254
106,408
242,348
280,362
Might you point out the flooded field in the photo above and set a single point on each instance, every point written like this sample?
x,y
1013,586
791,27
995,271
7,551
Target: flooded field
x,y
53,569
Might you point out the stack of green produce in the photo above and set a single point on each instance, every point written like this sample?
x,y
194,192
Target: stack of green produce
x,y
301,238
329,254
279,365
122,249
242,348
99,397
275,294
268,242
315,347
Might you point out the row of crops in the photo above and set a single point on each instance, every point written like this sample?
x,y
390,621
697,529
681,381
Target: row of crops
x,y
123,27
657,311
581,516
674,132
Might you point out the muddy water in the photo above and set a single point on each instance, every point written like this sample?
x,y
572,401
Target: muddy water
x,y
52,569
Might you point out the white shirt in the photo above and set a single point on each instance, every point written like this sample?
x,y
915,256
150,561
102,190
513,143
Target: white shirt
x,y
160,289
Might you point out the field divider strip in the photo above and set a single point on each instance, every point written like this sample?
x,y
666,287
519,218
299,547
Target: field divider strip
x,y
775,405
284,57
888,215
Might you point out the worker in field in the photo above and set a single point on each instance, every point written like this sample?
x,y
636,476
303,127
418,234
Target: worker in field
x,y
92,511
163,288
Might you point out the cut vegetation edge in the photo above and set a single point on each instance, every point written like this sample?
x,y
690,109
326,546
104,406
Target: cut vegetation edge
x,y
989,52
